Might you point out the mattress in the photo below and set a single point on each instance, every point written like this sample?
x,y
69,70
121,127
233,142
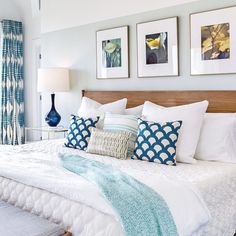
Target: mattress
x,y
216,183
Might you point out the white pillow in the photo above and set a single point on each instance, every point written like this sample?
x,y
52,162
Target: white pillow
x,y
136,111
217,141
90,108
192,116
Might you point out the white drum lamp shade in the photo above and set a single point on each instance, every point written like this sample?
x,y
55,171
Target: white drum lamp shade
x,y
53,80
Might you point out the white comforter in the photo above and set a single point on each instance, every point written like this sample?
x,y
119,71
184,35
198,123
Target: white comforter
x,y
43,170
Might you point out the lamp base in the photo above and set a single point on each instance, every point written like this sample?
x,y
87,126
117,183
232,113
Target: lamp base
x,y
53,118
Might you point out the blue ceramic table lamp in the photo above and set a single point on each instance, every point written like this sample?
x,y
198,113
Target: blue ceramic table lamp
x,y
53,80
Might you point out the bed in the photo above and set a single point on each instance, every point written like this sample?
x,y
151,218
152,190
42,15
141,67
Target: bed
x,y
31,178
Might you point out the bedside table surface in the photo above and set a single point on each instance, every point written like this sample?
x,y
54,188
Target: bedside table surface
x,y
48,129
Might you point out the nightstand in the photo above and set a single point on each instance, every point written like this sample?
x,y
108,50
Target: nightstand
x,y
51,131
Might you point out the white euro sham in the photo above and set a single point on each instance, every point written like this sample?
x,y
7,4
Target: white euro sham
x,y
217,141
192,117
90,108
136,111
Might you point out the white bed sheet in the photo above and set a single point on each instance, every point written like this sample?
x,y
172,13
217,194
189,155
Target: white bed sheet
x,y
216,182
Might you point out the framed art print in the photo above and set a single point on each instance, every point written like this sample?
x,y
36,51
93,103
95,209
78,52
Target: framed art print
x,y
158,48
213,42
113,53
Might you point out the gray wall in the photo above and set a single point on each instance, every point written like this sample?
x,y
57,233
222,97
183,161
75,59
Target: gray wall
x,y
9,10
76,48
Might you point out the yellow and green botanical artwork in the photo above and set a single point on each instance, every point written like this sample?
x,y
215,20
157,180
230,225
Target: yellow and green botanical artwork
x,y
215,41
111,50
157,48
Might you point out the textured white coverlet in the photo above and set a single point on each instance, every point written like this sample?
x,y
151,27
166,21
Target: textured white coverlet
x,y
40,161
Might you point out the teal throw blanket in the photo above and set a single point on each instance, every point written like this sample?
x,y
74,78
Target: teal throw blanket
x,y
142,211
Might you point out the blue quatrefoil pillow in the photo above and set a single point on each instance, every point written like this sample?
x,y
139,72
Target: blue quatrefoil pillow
x,y
156,142
79,132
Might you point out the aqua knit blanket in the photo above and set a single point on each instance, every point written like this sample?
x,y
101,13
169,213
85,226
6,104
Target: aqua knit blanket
x,y
142,211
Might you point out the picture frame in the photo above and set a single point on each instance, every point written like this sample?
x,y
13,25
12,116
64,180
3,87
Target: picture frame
x,y
213,42
157,48
113,53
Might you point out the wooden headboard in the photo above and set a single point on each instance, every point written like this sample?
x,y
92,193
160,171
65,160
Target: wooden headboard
x,y
219,101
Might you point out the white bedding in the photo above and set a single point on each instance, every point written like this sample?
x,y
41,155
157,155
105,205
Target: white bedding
x,y
37,165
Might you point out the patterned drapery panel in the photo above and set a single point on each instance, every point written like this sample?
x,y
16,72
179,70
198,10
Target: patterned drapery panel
x,y
12,82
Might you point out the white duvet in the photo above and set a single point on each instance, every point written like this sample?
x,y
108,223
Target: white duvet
x,y
43,170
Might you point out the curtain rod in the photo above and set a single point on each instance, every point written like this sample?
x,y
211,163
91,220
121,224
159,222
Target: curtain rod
x,y
12,20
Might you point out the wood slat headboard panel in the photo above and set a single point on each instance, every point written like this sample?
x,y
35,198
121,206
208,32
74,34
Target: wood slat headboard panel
x,y
219,101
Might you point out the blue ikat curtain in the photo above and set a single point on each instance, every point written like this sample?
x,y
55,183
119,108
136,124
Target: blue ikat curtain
x,y
12,84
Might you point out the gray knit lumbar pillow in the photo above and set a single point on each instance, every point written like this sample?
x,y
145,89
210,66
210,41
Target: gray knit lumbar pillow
x,y
109,143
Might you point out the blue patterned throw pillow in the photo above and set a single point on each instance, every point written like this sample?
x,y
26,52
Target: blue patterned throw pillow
x,y
156,142
79,132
